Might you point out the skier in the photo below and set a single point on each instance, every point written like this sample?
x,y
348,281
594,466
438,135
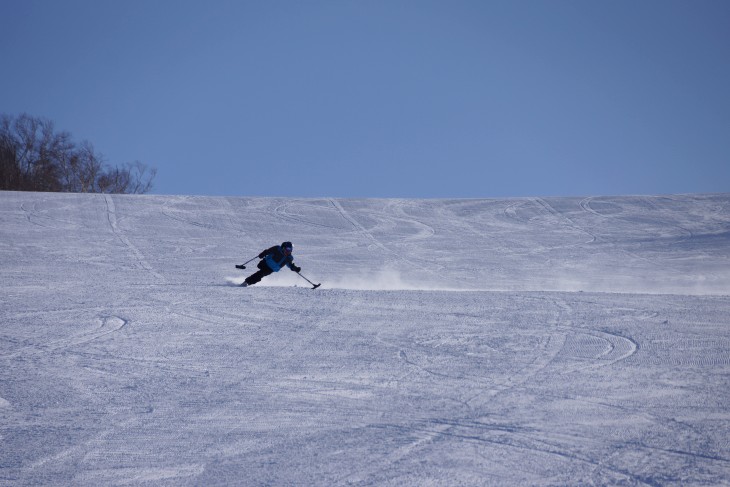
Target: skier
x,y
273,259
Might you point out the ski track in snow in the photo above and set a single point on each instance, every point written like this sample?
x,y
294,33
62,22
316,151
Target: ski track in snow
x,y
535,341
112,217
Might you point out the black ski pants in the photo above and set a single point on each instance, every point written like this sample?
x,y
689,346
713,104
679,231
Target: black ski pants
x,y
263,271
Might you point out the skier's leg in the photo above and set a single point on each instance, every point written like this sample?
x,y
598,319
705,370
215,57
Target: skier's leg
x,y
254,278
258,275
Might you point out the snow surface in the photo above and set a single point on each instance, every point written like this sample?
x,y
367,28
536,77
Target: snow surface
x,y
560,341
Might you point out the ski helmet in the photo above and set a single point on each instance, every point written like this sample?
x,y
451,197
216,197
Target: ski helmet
x,y
287,245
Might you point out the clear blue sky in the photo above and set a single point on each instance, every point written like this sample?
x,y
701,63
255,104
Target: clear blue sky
x,y
384,98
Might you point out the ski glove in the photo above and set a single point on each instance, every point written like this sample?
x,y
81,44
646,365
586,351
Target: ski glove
x,y
296,269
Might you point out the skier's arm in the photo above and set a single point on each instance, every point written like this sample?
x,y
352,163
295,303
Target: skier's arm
x,y
267,252
294,267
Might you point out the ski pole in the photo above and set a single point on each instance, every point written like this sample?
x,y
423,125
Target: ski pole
x,y
310,282
243,266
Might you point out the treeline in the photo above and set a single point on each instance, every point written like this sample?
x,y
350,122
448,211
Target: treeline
x,y
35,157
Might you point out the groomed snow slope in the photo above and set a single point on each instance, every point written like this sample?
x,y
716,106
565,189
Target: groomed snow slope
x,y
556,341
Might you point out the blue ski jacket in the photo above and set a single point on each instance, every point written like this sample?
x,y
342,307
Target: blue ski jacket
x,y
275,258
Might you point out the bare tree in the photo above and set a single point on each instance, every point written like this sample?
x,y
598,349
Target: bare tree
x,y
87,167
11,177
140,177
33,157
